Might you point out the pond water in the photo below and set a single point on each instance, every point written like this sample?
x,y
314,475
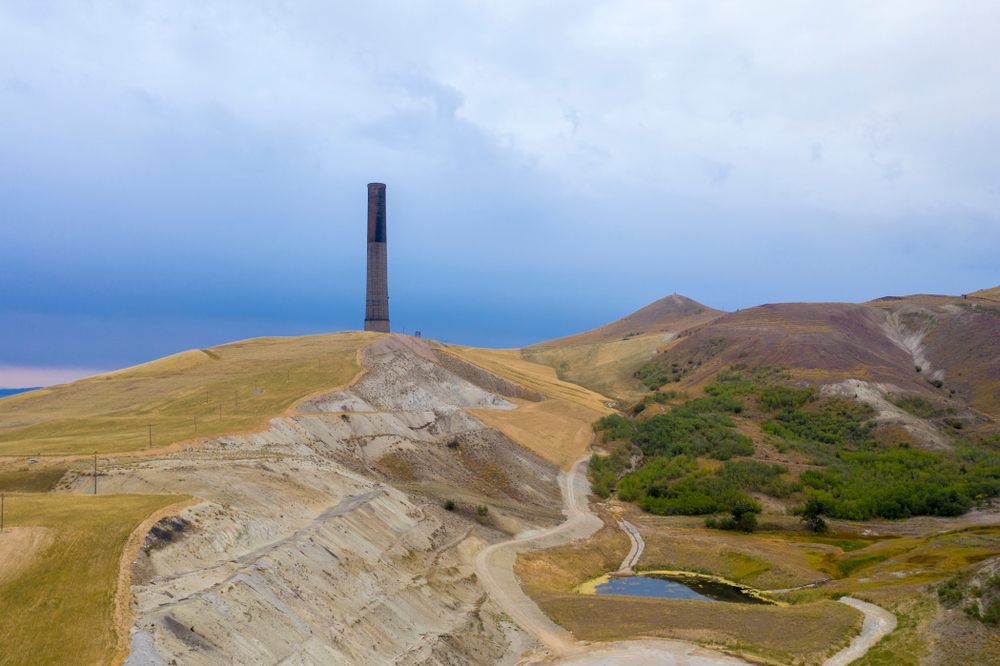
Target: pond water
x,y
674,586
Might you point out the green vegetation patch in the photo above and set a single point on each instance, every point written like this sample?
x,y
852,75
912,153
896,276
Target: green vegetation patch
x,y
980,601
918,406
978,308
671,368
899,483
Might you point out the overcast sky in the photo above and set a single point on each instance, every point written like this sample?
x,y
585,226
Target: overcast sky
x,y
179,174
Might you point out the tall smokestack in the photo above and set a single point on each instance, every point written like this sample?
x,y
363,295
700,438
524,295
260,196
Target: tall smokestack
x,y
377,302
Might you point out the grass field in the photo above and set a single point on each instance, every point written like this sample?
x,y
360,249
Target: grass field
x,y
558,428
112,413
57,605
508,363
605,367
807,633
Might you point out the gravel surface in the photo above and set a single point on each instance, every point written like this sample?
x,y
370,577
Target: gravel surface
x,y
878,623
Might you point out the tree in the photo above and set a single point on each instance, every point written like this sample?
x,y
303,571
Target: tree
x,y
745,516
811,516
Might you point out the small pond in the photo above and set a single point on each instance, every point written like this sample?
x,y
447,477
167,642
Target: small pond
x,y
677,586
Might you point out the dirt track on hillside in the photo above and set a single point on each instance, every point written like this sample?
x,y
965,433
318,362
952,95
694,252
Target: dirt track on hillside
x,y
495,568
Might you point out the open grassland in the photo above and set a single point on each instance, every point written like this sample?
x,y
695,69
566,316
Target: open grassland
x,y
228,388
991,294
806,633
605,367
759,563
57,595
39,478
558,430
509,364
899,572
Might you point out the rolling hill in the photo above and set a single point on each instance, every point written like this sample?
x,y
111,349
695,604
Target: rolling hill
x,y
667,315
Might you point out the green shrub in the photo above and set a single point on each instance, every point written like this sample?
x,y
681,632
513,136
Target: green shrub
x,y
782,397
917,406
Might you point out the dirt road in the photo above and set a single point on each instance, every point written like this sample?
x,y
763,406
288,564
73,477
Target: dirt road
x,y
495,569
878,623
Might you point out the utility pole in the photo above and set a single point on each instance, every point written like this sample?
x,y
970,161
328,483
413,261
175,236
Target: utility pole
x,y
220,411
150,435
95,472
196,424
237,394
1,512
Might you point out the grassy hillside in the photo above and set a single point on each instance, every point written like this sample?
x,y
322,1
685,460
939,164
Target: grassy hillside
x,y
607,368
230,387
989,294
59,573
912,344
667,315
558,428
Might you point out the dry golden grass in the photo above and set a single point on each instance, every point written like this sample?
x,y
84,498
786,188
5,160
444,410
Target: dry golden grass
x,y
606,368
992,294
58,608
508,363
19,547
558,430
111,413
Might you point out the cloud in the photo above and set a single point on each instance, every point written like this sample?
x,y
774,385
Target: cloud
x,y
202,164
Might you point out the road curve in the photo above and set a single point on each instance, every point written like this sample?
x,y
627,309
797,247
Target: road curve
x,y
494,564
494,567
878,623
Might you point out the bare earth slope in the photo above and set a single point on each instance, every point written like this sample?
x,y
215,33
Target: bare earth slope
x,y
944,349
666,315
322,539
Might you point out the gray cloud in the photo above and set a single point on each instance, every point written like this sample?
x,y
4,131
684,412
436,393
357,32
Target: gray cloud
x,y
189,159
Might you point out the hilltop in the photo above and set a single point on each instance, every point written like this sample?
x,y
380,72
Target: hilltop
x,y
661,317
939,348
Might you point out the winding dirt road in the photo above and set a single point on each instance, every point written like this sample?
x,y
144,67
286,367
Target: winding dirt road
x,y
495,569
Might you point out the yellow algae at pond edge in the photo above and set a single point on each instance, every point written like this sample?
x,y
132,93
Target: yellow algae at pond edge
x,y
590,586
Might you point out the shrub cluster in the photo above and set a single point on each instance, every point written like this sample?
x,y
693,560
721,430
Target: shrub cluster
x,y
900,483
604,472
918,406
743,518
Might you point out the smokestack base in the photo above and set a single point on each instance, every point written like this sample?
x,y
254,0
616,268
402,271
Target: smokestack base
x,y
377,325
